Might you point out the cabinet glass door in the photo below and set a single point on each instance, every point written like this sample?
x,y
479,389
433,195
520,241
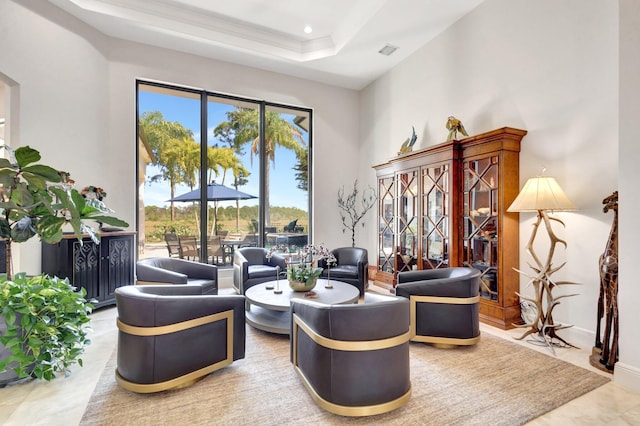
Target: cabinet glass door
x,y
407,248
435,216
385,228
480,242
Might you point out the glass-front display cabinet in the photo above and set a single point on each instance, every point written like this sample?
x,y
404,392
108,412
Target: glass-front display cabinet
x,y
386,227
435,216
445,206
407,242
480,239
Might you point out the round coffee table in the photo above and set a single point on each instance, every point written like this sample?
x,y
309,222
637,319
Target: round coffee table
x,y
269,311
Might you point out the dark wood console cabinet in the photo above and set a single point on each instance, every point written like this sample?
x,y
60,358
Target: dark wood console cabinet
x,y
98,268
446,206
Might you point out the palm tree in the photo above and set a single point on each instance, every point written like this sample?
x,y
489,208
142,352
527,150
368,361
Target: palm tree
x,y
162,136
302,169
226,159
178,154
244,124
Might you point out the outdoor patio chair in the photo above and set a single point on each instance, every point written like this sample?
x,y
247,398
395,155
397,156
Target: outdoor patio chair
x,y
188,247
173,245
291,227
216,251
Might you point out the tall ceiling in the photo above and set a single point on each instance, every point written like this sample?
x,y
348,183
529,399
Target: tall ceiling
x,y
341,50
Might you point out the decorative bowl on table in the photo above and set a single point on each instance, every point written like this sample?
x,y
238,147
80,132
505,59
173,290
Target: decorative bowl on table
x,y
303,277
303,285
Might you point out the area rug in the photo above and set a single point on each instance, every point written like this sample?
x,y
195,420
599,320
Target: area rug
x,y
495,382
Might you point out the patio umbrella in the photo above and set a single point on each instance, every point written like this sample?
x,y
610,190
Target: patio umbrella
x,y
215,192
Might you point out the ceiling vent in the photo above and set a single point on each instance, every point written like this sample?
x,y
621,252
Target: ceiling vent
x,y
387,49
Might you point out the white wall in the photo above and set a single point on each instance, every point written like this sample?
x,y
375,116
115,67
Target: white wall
x,y
547,67
77,106
61,103
627,371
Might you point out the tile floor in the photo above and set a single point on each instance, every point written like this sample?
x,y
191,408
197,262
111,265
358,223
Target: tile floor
x,y
63,401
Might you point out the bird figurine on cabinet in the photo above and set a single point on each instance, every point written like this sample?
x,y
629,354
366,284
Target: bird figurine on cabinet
x,y
454,126
407,145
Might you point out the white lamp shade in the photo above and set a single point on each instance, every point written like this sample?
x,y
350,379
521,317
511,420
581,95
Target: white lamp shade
x,y
541,193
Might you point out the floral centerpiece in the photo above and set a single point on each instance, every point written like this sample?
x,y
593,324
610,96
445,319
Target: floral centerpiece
x,y
303,276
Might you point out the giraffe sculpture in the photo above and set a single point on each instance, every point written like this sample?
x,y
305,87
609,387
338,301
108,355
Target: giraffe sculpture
x,y
606,351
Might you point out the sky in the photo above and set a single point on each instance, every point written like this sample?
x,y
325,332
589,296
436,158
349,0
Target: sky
x,y
186,111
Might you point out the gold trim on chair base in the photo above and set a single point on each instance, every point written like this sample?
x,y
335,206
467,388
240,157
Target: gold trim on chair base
x,y
446,342
441,342
352,346
189,378
353,411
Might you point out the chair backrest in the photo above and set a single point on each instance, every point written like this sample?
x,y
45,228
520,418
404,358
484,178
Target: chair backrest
x,y
438,274
173,245
214,246
350,255
188,246
254,255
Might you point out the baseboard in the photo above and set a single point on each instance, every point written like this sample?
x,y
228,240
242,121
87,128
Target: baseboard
x,y
627,376
580,337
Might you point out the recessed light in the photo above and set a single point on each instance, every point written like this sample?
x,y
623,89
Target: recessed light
x,y
308,29
388,49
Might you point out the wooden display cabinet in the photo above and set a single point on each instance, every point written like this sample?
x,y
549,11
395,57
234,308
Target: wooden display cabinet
x,y
446,206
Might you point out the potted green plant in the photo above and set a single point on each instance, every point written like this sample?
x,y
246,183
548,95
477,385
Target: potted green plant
x,y
303,276
42,319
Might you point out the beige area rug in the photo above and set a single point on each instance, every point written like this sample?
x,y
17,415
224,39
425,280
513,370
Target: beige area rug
x,y
495,382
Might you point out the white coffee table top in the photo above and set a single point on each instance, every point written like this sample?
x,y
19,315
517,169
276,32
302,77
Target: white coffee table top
x,y
269,311
340,293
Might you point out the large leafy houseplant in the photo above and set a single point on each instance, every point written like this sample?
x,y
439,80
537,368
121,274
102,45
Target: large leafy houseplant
x,y
45,317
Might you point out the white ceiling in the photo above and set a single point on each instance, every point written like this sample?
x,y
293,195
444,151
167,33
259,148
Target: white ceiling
x,y
342,50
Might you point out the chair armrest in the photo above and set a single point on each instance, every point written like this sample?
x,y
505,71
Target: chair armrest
x,y
171,290
240,271
154,274
196,269
363,272
419,276
242,263
444,287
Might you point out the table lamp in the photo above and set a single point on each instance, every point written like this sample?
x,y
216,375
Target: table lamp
x,y
543,194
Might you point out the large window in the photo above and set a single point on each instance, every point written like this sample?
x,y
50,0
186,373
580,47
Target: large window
x,y
253,158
